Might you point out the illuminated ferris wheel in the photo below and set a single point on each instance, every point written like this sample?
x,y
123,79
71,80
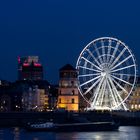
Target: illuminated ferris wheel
x,y
106,73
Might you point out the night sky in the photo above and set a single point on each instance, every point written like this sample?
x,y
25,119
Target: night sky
x,y
58,30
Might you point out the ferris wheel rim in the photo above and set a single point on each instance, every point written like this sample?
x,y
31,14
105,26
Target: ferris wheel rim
x,y
111,38
131,55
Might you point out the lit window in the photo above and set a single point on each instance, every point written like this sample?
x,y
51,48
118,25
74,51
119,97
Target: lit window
x,y
135,106
65,84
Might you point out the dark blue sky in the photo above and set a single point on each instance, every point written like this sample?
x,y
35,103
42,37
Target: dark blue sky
x,y
57,30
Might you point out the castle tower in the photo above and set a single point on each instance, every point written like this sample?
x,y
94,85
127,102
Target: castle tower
x,y
68,96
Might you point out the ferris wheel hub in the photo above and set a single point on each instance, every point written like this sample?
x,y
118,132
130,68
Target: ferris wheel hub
x,y
103,73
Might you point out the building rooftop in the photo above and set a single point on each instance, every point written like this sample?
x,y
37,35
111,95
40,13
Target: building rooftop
x,y
40,83
67,67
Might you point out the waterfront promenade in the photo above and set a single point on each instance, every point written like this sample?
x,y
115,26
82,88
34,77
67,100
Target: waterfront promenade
x,y
22,118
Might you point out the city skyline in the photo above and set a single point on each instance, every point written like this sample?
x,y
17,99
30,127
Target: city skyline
x,y
57,31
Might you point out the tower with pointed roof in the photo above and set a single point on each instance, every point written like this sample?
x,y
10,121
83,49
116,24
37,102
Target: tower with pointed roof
x,y
68,97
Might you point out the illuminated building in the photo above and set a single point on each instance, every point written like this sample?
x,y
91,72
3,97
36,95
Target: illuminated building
x,y
134,99
36,96
27,95
29,68
35,99
68,95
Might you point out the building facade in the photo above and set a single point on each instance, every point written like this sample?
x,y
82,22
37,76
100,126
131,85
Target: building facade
x,y
36,96
29,68
10,97
35,99
68,95
134,99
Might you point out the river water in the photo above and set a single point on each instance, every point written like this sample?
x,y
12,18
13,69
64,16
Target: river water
x,y
124,133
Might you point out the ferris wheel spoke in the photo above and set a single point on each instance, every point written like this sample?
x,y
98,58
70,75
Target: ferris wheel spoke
x,y
120,86
91,63
114,99
94,97
118,57
130,66
99,99
115,92
91,69
109,50
114,52
102,98
98,54
103,50
99,64
103,89
90,88
89,81
122,80
123,74
119,97
86,75
122,62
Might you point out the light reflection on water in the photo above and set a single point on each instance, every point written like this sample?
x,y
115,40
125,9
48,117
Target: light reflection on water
x,y
124,133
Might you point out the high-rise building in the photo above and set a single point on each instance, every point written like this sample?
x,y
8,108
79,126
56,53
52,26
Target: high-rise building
x,y
68,95
29,68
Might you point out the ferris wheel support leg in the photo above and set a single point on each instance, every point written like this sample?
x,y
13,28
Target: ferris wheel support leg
x,y
97,94
119,97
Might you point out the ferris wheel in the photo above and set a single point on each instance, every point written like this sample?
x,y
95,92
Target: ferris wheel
x,y
106,73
